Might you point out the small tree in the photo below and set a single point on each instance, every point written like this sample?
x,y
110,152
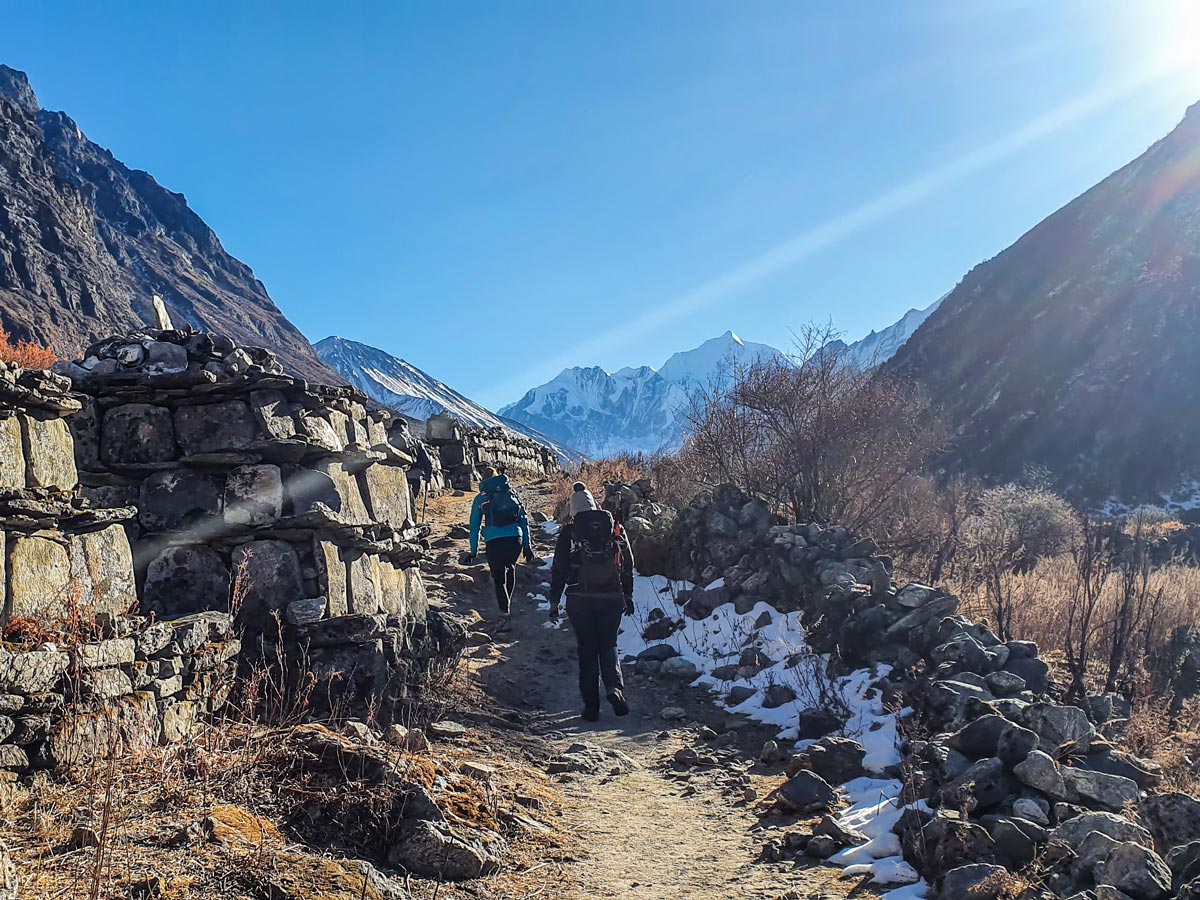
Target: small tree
x,y
818,438
1015,527
25,354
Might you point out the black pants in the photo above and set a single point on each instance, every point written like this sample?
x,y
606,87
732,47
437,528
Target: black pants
x,y
596,619
502,555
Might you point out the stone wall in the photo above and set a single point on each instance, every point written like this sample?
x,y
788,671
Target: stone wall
x,y
1001,775
133,684
59,554
464,451
254,490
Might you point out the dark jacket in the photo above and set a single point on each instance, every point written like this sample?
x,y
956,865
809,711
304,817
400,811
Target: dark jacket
x,y
565,569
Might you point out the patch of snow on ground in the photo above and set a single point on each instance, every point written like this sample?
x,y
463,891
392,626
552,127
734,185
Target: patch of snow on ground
x,y
720,639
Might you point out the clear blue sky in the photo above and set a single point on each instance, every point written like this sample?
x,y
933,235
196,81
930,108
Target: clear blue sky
x,y
607,182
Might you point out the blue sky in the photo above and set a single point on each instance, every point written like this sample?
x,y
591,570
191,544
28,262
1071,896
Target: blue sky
x,y
496,190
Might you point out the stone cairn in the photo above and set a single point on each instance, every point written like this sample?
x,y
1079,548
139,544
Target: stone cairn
x,y
1014,781
464,451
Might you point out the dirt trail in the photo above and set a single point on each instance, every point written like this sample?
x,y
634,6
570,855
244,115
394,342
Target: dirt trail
x,y
658,832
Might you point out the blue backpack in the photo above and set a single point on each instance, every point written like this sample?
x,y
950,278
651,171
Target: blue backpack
x,y
501,507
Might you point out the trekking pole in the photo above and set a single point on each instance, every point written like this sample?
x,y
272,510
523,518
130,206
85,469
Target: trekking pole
x,y
424,499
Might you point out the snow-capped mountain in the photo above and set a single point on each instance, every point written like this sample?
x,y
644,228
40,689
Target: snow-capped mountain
x,y
880,346
633,409
403,388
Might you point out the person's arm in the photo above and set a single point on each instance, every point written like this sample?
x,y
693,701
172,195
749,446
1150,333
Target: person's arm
x,y
561,568
476,522
627,572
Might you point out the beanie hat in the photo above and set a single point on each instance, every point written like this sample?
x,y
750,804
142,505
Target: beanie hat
x,y
581,499
486,472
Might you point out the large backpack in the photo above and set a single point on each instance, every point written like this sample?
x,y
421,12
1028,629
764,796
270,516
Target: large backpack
x,y
501,507
597,555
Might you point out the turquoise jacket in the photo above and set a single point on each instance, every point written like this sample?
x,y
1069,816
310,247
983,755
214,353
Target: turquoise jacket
x,y
491,532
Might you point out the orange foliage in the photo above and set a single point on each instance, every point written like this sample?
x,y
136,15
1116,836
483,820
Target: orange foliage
x,y
25,354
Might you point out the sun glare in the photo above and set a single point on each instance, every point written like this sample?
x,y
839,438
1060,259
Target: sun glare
x,y
1178,39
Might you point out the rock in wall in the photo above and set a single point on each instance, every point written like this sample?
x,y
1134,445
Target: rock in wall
x,y
464,451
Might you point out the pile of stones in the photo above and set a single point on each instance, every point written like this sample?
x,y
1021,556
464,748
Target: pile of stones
x,y
1012,779
464,451
57,550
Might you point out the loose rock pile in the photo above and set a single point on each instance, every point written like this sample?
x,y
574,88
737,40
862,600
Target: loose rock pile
x,y
1011,780
464,451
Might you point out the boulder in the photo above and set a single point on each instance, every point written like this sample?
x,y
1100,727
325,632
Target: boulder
x,y
39,577
179,500
388,495
992,735
436,850
216,427
186,579
253,495
835,759
331,575
137,434
1173,818
976,881
266,579
12,457
49,453
680,668
28,672
1073,831
273,414
1057,726
364,593
776,695
1136,871
1096,789
123,725
102,566
807,792
1039,771
983,786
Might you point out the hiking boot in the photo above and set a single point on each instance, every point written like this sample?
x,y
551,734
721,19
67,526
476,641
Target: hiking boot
x,y
504,624
591,713
618,702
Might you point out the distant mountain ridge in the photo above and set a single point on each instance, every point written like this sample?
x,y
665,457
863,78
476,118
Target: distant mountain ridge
x,y
632,409
85,242
403,388
1075,348
880,346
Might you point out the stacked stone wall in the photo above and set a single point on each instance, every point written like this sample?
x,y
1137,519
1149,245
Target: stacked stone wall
x,y
463,452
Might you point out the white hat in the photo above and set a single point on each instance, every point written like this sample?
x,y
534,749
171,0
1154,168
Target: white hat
x,y
581,500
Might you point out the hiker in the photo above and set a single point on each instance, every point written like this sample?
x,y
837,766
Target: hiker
x,y
594,564
499,513
420,474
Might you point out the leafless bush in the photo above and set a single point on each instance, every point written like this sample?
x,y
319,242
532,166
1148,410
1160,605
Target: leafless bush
x,y
818,439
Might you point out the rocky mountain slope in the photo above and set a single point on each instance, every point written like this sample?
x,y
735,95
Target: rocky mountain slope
x,y
634,409
403,388
1075,348
85,242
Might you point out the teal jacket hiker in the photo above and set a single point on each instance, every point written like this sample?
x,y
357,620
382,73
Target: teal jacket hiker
x,y
519,529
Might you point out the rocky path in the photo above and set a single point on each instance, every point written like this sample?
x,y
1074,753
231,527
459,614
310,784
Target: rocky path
x,y
658,832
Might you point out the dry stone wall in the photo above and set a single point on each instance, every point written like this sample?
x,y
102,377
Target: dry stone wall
x,y
252,487
1000,775
462,452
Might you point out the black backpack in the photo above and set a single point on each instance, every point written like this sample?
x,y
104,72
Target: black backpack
x,y
597,556
501,507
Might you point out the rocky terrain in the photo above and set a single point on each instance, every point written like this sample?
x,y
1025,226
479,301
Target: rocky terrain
x,y
1073,348
85,242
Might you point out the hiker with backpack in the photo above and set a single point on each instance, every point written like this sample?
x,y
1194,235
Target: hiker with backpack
x,y
593,563
498,513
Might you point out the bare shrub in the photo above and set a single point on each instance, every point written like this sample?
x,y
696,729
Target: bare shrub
x,y
818,439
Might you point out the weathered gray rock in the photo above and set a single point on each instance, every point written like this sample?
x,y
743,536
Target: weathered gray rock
x,y
678,667
102,568
1039,771
1073,831
776,695
1173,818
253,495
993,735
273,414
179,500
153,639
982,786
12,457
107,654
216,427
137,433
1031,809
739,694
977,881
267,578
1056,726
186,579
437,850
29,672
49,453
364,593
388,494
39,577
835,759
331,574
306,612
179,720
807,792
1090,854
1096,789
116,726
104,683
1137,871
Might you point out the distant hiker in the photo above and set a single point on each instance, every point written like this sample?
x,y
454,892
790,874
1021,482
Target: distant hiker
x,y
594,564
420,474
499,513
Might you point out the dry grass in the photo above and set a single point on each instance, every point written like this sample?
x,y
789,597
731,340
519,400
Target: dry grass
x,y
625,468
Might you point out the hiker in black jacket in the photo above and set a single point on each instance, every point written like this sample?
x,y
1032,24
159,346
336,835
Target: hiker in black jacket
x,y
594,564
